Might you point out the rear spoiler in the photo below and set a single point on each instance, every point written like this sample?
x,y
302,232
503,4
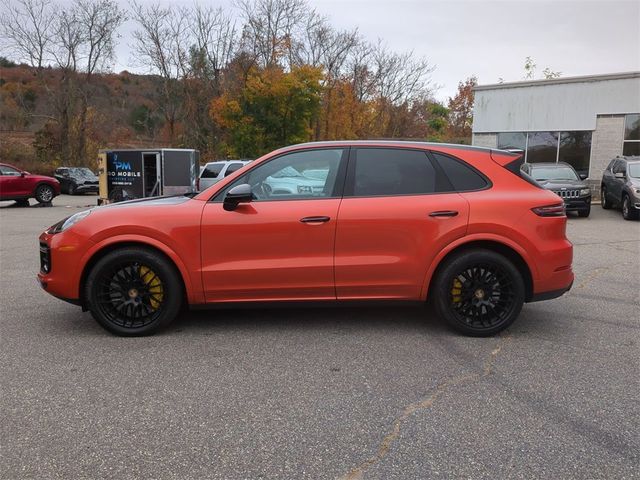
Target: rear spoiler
x,y
509,159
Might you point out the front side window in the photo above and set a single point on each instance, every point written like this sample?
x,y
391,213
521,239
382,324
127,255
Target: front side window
x,y
9,171
386,171
294,176
234,167
212,170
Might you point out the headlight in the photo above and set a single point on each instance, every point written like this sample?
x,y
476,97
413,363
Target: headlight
x,y
585,191
68,222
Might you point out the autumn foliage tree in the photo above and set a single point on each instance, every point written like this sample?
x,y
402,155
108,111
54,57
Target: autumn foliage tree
x,y
461,111
274,108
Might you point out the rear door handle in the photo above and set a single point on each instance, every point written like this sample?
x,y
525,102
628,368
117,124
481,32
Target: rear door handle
x,y
444,213
315,219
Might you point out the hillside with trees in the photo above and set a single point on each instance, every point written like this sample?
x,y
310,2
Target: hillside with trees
x,y
228,83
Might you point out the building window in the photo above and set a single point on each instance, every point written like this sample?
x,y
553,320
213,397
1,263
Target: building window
x,y
573,148
542,147
631,145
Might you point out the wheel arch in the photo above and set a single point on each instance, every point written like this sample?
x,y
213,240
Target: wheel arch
x,y
496,246
104,250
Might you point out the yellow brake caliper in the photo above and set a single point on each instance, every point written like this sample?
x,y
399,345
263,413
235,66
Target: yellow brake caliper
x,y
456,291
148,276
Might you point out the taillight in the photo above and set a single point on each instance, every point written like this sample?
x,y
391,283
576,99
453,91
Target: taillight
x,y
555,210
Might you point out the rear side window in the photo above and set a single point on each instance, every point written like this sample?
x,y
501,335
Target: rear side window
x,y
462,176
386,171
212,170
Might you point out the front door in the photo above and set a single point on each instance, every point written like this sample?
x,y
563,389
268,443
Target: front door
x,y
12,183
391,224
280,246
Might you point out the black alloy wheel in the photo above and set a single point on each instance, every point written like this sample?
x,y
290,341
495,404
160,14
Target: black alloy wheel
x,y
479,292
628,211
133,292
605,203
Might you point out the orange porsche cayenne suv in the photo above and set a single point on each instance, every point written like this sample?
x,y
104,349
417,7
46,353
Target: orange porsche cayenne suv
x,y
459,226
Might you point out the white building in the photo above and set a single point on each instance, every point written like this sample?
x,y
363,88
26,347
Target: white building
x,y
584,121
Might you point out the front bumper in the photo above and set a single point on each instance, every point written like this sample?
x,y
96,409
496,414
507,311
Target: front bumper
x,y
87,188
577,204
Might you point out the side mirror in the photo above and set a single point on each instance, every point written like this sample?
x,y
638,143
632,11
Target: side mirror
x,y
583,176
237,195
619,175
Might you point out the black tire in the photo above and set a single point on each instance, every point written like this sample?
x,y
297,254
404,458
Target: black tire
x,y
44,193
133,292
606,204
628,210
71,189
584,213
459,292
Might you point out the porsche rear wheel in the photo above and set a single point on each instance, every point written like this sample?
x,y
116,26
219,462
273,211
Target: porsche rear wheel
x,y
478,292
133,292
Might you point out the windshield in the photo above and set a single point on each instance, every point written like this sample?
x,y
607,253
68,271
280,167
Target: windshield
x,y
553,173
633,170
81,172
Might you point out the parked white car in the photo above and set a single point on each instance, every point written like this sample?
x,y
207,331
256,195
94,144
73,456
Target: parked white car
x,y
290,181
213,172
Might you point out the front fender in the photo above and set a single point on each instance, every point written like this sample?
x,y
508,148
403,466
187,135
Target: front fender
x,y
193,287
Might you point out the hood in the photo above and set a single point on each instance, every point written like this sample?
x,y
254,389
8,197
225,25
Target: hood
x,y
43,177
560,184
151,201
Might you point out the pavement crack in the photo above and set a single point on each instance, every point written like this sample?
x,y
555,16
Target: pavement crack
x,y
487,367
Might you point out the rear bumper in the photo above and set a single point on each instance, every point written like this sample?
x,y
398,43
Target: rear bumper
x,y
539,297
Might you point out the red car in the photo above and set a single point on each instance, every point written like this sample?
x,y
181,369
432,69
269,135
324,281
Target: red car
x,y
16,184
461,226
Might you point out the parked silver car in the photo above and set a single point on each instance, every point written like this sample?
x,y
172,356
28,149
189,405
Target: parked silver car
x,y
213,172
620,186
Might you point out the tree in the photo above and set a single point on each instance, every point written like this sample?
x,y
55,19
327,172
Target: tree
x,y
530,71
274,109
461,109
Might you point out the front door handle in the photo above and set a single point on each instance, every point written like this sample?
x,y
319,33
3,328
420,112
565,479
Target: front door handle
x,y
315,219
444,213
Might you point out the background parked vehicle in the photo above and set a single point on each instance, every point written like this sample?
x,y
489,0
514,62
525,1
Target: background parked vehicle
x,y
562,179
74,180
620,186
404,221
16,184
213,172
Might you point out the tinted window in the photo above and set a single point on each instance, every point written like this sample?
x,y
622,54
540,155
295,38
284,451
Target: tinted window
x,y
620,166
631,149
461,175
632,127
212,170
384,171
512,140
298,175
234,167
542,147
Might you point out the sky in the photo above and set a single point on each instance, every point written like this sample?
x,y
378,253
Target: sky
x,y
488,39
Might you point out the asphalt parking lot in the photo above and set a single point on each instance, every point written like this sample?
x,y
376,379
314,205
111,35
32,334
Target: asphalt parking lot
x,y
375,393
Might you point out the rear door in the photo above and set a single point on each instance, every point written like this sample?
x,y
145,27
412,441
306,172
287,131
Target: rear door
x,y
392,222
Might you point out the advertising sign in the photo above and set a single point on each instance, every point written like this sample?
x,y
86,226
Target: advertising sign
x,y
125,175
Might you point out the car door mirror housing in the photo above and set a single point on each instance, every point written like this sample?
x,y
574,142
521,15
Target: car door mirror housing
x,y
619,175
583,176
237,195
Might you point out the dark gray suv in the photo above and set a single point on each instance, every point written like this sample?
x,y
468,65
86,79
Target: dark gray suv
x,y
620,186
565,182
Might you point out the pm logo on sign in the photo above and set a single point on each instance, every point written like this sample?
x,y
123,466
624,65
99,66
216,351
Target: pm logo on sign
x,y
122,165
